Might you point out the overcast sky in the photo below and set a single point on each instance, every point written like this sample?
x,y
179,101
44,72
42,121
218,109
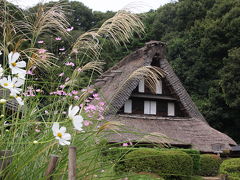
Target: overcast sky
x,y
104,5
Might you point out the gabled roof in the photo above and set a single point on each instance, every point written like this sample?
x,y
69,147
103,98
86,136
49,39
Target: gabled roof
x,y
115,91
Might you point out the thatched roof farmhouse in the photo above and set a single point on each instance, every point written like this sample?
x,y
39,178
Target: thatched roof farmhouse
x,y
169,115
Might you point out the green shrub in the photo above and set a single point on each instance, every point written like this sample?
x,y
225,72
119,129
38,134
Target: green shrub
x,y
164,163
231,167
209,165
195,155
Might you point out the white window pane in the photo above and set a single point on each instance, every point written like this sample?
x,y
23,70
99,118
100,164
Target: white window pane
x,y
171,109
159,87
141,86
128,106
153,107
146,107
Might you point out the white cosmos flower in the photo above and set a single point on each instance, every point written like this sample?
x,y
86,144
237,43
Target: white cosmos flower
x,y
1,71
17,82
60,134
72,111
76,119
6,82
78,122
12,84
14,65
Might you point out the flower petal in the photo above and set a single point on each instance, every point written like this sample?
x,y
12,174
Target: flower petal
x,y
62,130
55,128
12,57
66,136
77,122
73,111
63,142
16,70
21,64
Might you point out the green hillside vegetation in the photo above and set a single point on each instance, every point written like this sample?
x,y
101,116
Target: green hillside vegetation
x,y
202,38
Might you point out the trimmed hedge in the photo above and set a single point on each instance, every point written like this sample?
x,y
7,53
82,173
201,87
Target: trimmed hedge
x,y
231,167
164,163
117,154
195,155
209,165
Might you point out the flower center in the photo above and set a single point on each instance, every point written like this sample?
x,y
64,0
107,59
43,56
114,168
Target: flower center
x,y
14,64
5,84
59,134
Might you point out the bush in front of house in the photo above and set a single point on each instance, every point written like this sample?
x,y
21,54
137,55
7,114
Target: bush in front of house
x,y
169,164
195,155
231,167
209,165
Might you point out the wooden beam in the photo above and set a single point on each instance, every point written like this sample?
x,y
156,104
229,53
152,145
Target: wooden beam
x,y
51,166
72,158
153,96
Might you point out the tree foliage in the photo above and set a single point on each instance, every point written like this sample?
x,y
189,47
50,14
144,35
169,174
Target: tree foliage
x,y
203,44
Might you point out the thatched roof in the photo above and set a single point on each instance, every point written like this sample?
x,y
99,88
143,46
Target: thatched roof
x,y
174,131
115,90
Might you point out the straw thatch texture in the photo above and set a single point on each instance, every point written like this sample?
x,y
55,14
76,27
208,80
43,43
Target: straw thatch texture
x,y
174,131
190,130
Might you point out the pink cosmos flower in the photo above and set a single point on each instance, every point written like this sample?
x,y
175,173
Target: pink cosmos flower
x,y
79,69
90,107
62,49
69,29
74,92
76,97
62,86
58,38
70,64
37,130
125,144
40,42
101,103
39,90
30,72
95,95
42,51
86,123
67,79
61,74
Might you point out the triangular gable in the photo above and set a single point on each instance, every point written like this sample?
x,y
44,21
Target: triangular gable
x,y
116,90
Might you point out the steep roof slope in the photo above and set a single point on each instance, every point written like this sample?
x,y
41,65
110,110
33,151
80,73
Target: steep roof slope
x,y
115,88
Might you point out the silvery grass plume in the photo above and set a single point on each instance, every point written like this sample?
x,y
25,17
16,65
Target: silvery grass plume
x,y
94,66
118,29
44,20
39,58
150,74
